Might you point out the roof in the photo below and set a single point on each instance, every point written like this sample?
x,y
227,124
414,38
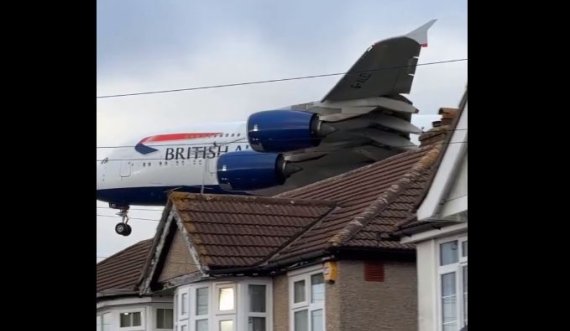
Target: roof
x,y
240,231
120,272
372,202
357,211
414,225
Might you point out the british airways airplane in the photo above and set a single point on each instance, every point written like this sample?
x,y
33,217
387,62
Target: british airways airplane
x,y
363,119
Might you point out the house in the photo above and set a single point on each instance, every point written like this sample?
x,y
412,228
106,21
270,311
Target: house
x,y
440,236
119,306
320,257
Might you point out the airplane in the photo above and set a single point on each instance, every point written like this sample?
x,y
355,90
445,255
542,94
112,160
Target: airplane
x,y
363,119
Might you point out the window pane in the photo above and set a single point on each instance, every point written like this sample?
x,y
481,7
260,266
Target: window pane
x,y
448,299
256,324
448,252
227,325
464,248
202,325
164,318
226,299
449,327
202,301
125,320
301,323
257,298
136,319
183,309
183,328
317,320
299,291
317,288
465,295
106,322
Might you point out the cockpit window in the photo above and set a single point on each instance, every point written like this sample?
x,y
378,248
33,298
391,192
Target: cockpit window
x,y
105,160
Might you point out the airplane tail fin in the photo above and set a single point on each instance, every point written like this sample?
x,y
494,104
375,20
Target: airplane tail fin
x,y
420,34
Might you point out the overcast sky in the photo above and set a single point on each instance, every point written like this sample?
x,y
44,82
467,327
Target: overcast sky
x,y
145,45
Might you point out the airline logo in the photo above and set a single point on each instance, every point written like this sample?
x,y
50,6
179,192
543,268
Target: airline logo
x,y
144,149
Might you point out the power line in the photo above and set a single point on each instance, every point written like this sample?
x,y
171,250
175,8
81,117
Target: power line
x,y
271,80
240,155
131,218
213,144
144,209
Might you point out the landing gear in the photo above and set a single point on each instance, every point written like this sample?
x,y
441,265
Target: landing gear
x,y
122,228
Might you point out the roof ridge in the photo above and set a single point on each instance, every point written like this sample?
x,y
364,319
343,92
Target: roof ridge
x,y
351,172
124,250
252,198
298,235
386,198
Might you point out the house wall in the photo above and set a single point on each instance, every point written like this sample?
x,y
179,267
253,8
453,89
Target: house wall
x,y
147,306
178,261
280,303
364,305
429,310
427,282
456,201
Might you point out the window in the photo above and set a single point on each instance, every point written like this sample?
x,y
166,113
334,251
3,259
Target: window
x,y
201,311
184,304
452,286
164,318
226,299
127,320
257,310
226,306
106,325
307,301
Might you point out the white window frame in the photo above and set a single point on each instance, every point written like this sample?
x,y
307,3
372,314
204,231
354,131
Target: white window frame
x,y
239,315
110,326
305,274
179,318
155,316
131,328
208,317
217,287
244,301
226,317
456,267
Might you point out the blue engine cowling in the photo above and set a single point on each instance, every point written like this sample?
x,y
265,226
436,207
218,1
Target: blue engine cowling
x,y
282,130
249,170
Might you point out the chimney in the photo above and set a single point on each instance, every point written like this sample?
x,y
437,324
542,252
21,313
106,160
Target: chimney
x,y
440,128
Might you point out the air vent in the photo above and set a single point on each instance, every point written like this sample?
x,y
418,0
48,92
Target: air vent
x,y
373,271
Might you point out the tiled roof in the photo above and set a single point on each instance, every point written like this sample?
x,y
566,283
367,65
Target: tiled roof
x,y
121,271
359,209
450,120
240,231
371,202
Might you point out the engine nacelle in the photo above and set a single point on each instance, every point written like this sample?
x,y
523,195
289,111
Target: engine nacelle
x,y
249,170
282,130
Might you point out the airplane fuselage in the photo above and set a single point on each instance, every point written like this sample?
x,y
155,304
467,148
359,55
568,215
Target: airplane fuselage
x,y
144,173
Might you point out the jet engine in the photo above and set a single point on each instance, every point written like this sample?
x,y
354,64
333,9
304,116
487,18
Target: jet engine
x,y
285,130
250,170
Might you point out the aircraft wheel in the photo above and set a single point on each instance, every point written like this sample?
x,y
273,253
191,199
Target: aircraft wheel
x,y
123,229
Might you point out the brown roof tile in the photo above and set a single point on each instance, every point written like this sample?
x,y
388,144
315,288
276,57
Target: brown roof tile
x,y
372,201
240,231
121,271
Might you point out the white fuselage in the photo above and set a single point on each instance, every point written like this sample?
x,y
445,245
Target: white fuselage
x,y
140,172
